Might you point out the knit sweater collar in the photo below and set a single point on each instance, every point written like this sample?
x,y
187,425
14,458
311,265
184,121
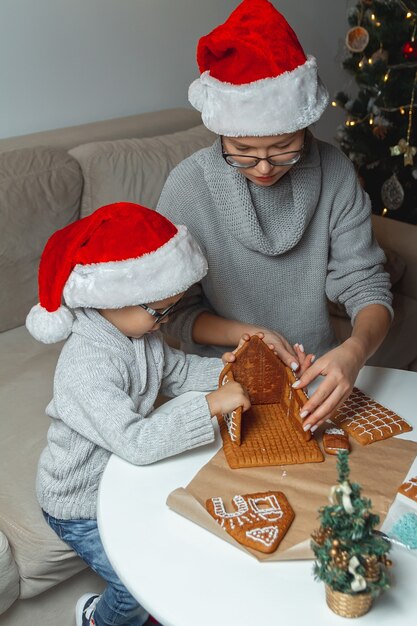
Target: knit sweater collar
x,y
290,203
92,325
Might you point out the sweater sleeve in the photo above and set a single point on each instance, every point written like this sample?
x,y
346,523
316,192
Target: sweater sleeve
x,y
175,202
356,277
187,372
101,410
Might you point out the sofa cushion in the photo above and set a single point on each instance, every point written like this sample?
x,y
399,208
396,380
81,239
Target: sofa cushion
x,y
133,170
40,192
27,369
9,575
399,348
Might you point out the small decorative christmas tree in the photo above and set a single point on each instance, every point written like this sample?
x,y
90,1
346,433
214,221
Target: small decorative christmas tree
x,y
351,558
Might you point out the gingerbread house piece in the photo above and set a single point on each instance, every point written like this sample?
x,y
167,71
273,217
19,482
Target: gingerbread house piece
x,y
409,488
271,432
259,521
367,421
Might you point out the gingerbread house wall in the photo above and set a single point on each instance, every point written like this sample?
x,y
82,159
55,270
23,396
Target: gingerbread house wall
x,y
262,373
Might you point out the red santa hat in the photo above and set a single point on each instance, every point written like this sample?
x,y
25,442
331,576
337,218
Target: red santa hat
x,y
255,77
121,255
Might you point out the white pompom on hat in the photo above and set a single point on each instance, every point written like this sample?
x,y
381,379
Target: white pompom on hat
x,y
121,255
255,77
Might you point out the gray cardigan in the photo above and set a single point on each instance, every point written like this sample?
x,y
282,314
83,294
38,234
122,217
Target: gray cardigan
x,y
105,385
275,253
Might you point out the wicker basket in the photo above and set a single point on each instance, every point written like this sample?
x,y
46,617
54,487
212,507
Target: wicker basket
x,y
348,605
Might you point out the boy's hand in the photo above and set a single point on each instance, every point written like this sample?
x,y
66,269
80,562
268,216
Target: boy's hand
x,y
228,398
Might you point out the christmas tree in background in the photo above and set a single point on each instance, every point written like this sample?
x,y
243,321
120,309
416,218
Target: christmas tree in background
x,y
350,556
380,131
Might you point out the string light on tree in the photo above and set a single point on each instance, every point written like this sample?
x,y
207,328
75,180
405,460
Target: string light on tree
x,y
381,54
403,146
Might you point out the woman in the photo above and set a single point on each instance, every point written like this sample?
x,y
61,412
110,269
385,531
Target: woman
x,y
280,215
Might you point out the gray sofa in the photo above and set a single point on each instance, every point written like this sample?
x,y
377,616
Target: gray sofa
x,y
48,180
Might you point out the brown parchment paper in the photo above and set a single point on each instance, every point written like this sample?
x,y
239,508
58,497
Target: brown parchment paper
x,y
380,468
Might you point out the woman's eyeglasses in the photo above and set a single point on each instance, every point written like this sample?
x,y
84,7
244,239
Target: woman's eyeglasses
x,y
159,315
246,161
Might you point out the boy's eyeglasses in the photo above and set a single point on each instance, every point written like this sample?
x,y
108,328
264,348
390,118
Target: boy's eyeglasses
x,y
159,315
246,161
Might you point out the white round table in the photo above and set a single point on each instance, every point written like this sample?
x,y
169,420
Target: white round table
x,y
185,576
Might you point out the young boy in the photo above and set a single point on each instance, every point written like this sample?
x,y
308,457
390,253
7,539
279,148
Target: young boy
x,y
122,270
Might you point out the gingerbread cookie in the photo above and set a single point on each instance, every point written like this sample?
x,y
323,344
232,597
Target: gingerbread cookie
x,y
260,520
335,439
409,488
368,421
271,432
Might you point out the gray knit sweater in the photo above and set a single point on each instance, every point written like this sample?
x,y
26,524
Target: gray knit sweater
x,y
275,253
105,385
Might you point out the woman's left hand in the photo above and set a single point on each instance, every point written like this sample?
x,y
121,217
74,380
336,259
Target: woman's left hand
x,y
229,357
340,367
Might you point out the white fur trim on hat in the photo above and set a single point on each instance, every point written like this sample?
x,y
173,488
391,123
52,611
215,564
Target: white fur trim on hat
x,y
169,270
49,327
270,106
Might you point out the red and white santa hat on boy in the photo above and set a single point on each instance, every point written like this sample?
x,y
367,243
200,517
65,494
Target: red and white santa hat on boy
x,y
255,77
121,255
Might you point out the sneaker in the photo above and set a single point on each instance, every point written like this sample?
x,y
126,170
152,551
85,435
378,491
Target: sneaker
x,y
151,621
84,609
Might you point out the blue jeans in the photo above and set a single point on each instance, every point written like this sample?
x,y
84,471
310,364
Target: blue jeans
x,y
116,607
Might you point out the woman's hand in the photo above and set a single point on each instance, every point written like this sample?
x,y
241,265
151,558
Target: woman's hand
x,y
229,357
340,367
305,360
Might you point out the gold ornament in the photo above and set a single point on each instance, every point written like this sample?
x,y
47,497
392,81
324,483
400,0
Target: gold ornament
x,y
357,39
344,554
380,55
372,568
403,147
320,535
371,558
385,561
342,559
333,552
336,543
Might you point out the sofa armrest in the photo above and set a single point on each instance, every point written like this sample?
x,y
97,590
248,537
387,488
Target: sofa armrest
x,y
402,239
9,575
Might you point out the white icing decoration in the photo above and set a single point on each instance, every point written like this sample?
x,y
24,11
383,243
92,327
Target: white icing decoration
x,y
358,404
254,510
411,483
229,419
266,535
220,511
334,431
